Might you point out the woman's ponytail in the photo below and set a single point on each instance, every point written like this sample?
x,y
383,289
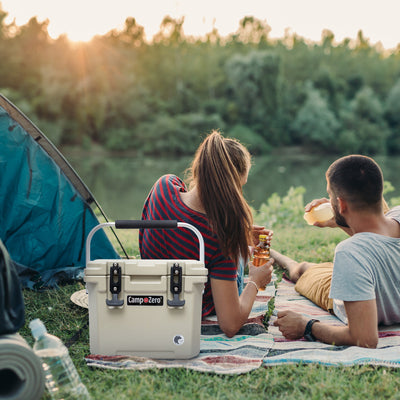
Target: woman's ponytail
x,y
218,170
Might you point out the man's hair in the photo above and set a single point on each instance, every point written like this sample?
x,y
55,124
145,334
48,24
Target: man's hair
x,y
217,170
357,179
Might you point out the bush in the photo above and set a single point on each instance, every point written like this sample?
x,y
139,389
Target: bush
x,y
287,210
315,123
175,135
254,142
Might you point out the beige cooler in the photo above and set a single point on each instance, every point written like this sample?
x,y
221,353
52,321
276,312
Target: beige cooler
x,y
147,308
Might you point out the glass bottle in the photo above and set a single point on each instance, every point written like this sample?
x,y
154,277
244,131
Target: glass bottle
x,y
261,252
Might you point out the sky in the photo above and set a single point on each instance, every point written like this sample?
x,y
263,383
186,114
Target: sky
x,y
82,19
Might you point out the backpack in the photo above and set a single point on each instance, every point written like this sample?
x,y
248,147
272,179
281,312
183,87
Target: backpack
x,y
12,309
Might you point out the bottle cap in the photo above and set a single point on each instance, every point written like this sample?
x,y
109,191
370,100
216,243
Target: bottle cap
x,y
37,328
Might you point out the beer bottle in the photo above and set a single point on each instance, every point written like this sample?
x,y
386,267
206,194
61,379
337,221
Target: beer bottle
x,y
261,252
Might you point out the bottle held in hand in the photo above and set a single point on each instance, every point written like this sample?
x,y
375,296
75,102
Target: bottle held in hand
x,y
261,253
320,213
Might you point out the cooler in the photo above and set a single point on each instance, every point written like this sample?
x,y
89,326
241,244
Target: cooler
x,y
147,308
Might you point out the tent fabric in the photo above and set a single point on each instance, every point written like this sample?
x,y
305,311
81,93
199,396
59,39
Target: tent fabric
x,y
45,210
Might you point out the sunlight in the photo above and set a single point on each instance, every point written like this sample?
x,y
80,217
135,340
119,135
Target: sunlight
x,y
81,20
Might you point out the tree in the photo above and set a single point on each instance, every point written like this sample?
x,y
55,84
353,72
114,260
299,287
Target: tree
x,y
392,108
315,123
255,82
33,42
171,31
365,130
252,31
132,35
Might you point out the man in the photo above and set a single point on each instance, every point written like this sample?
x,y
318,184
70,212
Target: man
x,y
365,274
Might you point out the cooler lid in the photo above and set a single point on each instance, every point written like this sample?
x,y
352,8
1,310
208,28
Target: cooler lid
x,y
139,267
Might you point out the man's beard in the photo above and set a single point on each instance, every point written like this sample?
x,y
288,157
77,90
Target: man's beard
x,y
340,220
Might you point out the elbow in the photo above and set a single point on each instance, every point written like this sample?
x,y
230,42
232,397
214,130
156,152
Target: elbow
x,y
369,344
230,330
230,333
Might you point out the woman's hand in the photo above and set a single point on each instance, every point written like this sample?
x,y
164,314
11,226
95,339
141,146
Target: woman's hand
x,y
261,275
232,311
260,230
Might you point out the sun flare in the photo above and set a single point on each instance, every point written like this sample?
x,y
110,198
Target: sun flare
x,y
80,20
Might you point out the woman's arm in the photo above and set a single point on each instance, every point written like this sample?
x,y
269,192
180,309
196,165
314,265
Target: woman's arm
x,y
232,310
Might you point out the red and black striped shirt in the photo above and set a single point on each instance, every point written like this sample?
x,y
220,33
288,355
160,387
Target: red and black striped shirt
x,y
164,203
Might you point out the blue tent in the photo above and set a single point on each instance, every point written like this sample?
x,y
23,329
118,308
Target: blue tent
x,y
45,209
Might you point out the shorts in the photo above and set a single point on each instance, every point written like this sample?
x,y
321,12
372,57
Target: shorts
x,y
315,284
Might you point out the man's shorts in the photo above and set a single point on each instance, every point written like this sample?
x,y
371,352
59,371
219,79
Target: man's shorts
x,y
315,284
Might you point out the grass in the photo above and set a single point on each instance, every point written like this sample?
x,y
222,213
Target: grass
x,y
64,319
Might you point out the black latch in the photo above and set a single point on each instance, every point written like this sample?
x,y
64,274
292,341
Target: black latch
x,y
176,286
115,286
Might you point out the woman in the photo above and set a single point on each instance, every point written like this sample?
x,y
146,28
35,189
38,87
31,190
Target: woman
x,y
215,205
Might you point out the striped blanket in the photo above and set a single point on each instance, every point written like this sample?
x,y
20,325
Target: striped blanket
x,y
254,346
218,353
300,351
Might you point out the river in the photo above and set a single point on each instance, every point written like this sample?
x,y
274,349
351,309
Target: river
x,y
121,184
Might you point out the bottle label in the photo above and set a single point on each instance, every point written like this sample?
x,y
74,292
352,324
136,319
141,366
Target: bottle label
x,y
145,300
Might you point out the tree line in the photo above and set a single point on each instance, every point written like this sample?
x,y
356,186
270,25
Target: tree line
x,y
158,97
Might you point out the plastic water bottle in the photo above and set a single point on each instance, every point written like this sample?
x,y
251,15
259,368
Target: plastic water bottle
x,y
61,377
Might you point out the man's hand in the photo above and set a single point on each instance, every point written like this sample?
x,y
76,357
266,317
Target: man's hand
x,y
330,223
291,324
361,331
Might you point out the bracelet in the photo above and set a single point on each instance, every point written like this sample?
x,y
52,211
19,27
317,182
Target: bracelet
x,y
255,284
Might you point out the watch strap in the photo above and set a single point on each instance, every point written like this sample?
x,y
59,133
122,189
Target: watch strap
x,y
308,331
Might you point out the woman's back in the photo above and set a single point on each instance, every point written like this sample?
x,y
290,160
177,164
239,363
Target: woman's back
x,y
163,203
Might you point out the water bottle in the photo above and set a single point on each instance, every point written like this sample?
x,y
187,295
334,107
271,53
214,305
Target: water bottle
x,y
61,377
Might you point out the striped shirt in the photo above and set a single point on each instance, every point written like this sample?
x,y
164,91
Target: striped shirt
x,y
164,203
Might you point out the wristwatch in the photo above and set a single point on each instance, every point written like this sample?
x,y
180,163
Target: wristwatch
x,y
308,331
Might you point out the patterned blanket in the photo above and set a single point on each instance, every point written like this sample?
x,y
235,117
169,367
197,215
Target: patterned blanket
x,y
253,346
218,353
300,351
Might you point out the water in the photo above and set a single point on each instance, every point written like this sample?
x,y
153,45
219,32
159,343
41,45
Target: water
x,y
62,380
121,184
61,377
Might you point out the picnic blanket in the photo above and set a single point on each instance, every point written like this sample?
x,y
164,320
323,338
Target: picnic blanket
x,y
218,354
300,351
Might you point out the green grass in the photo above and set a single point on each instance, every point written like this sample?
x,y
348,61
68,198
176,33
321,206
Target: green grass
x,y
64,319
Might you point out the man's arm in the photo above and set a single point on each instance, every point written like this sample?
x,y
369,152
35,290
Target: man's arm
x,y
362,329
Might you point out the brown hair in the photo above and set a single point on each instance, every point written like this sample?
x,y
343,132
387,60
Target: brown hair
x,y
358,179
216,171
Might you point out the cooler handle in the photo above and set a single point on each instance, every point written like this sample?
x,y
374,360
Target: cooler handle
x,y
146,224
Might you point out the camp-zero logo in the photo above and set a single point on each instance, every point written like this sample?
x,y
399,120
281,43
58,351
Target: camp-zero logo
x,y
178,340
145,300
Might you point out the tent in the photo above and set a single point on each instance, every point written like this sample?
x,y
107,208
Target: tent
x,y
46,211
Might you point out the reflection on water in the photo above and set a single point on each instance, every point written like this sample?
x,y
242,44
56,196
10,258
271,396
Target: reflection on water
x,y
121,184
